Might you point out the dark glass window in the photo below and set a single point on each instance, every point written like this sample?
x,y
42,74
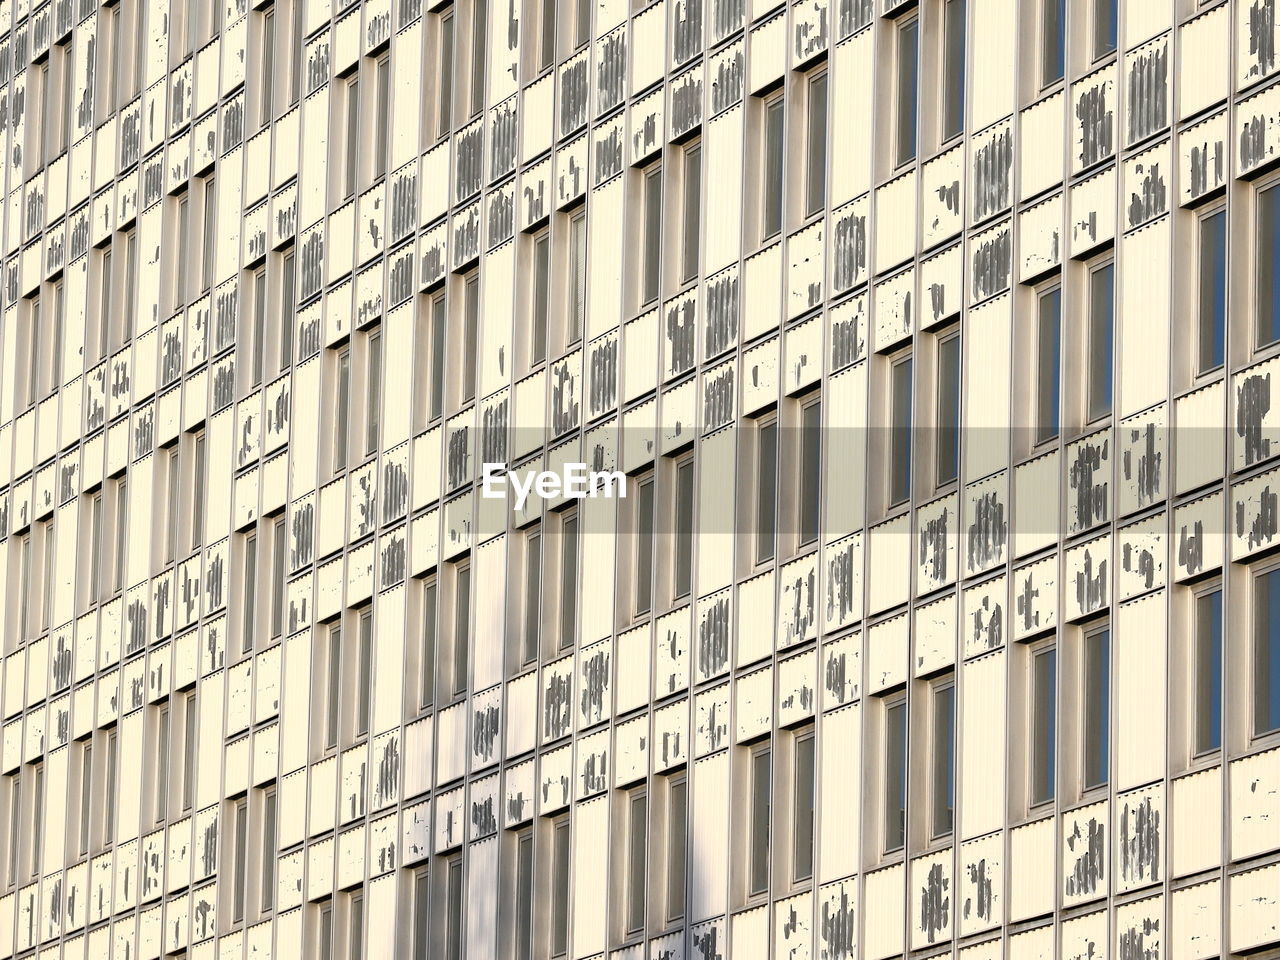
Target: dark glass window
x,y
1048,364
1096,705
1101,333
908,71
1213,292
1207,672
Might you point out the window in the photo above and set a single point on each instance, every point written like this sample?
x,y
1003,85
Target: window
x,y
163,747
1053,18
109,795
381,115
266,66
947,436
802,808
189,733
46,582
342,409
568,579
24,587
577,277
532,596
249,595
1212,300
258,286
453,907
581,23
444,108
364,672
210,240
269,853
422,915
541,297
373,393
1206,672
692,212
1044,725
1048,363
122,526
173,493
677,845
182,232
287,309
461,628
1267,293
105,301
683,566
760,813
240,829
35,326
1266,653
467,345
1096,707
907,81
15,825
130,285
766,518
816,145
333,692
37,821
644,546
351,134
95,547
1100,333
895,775
355,927
954,74
57,100
546,34
559,893
279,545
1104,27
810,472
324,933
479,44
900,430
942,775
650,260
427,678
637,856
523,926
197,491
772,185
86,794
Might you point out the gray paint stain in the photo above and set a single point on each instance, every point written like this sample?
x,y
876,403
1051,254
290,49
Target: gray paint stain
x,y
1090,866
935,903
1253,403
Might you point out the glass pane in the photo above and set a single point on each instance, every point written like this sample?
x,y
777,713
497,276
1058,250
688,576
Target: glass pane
x,y
428,643
446,75
760,816
453,895
373,396
1266,654
569,582
1268,267
268,850
907,75
1048,365
578,290
1044,726
421,916
895,779
644,547
944,771
767,496
560,889
352,134
816,149
461,630
684,529
948,451
1208,672
1213,290
437,356
364,681
335,676
802,855
692,210
471,307
250,590
357,928
532,596
1104,27
772,188
479,43
524,896
676,843
652,234
343,412
810,472
900,461
541,298
636,856
954,84
1101,330
1097,708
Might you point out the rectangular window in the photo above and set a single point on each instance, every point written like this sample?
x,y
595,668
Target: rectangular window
x,y
1211,329
162,763
771,188
210,241
355,927
122,527
1207,672
1044,725
189,733
524,895
1267,293
267,62
479,43
677,845
692,212
183,236
173,492
816,145
373,395
130,285
35,326
46,585
86,794
259,320
278,548
942,776
908,71
444,108
24,581
428,677
109,796
461,629
1104,27
197,490
438,321
760,811
644,546
1266,653
577,277
471,320
532,596
895,775
766,490
422,915
582,23
947,450
547,35
105,304
342,412
55,351
1100,333
239,853
381,115
364,675
15,825
334,691
802,809
1096,706
637,857
652,227
568,580
351,132
810,472
559,893
541,297
900,431
250,593
954,74
1053,15
37,822
453,907
684,529
325,932
95,547
1048,364
287,305
268,897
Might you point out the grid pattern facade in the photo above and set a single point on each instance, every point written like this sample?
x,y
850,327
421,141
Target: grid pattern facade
x,y
934,341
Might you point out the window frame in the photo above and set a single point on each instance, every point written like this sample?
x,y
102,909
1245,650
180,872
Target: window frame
x,y
906,149
1094,712
1201,594
1096,409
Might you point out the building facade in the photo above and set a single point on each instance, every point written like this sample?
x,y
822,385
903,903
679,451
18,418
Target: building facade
x,y
935,341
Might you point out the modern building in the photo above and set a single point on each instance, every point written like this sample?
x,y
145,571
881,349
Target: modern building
x,y
936,343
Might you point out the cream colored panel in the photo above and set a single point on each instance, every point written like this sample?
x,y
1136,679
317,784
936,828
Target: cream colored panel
x,y
982,748
992,34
